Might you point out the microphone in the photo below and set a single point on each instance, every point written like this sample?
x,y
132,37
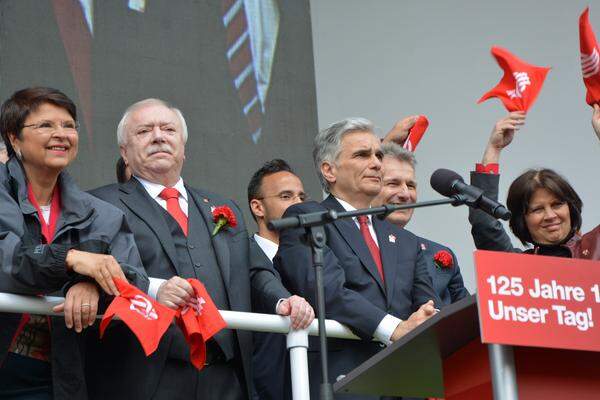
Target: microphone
x,y
449,183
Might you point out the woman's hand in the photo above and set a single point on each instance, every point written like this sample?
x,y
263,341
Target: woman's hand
x,y
100,267
80,306
502,135
596,120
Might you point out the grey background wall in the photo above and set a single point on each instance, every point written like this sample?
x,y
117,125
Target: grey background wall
x,y
387,59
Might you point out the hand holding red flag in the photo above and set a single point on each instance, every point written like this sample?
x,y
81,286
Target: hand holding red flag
x,y
590,59
199,321
416,133
146,318
520,84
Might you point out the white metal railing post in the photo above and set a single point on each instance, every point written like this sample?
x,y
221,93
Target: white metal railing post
x,y
297,344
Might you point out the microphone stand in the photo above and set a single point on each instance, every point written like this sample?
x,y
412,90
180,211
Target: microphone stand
x,y
315,236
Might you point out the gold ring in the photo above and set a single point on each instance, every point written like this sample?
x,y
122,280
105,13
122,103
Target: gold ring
x,y
86,305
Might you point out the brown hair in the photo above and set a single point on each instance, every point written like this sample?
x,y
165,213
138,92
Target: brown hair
x,y
17,108
523,188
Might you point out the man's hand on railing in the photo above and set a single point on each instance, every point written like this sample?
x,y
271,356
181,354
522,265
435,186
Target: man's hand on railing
x,y
80,305
424,312
300,312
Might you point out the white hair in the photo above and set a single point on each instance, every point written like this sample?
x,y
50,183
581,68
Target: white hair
x,y
121,134
328,142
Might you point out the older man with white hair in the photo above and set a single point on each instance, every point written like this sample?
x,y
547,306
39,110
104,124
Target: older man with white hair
x,y
375,276
3,152
178,239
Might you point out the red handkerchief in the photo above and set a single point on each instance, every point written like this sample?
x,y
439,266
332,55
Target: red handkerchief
x,y
520,84
590,59
146,318
200,320
416,133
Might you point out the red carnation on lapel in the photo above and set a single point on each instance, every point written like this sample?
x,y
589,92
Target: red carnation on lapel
x,y
199,321
520,84
590,59
146,318
416,133
223,216
443,259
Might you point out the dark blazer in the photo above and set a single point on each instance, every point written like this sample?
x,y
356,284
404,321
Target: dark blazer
x,y
270,357
354,292
447,282
159,258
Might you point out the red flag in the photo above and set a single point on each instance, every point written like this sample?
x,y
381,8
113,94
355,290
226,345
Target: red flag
x,y
200,320
520,84
146,318
416,133
590,59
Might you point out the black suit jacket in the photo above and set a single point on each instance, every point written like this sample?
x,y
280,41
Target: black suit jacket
x,y
355,294
270,357
447,282
158,254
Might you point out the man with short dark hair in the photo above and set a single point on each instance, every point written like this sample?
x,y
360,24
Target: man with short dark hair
x,y
400,187
376,280
272,189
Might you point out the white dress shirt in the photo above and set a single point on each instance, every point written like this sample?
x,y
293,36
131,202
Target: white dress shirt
x,y
153,190
388,324
268,247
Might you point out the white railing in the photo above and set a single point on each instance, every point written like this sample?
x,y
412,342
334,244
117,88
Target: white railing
x,y
297,340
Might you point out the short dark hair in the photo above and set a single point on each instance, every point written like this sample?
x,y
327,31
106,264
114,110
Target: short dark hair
x,y
268,168
17,108
523,188
121,170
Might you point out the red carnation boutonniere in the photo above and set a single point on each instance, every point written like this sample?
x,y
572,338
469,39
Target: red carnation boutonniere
x,y
223,216
443,259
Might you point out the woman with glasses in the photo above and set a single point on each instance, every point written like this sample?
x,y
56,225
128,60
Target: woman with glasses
x,y
546,210
53,238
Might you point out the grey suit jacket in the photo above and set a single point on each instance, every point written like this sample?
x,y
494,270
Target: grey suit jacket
x,y
159,258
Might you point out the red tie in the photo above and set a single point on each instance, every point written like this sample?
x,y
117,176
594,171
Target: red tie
x,y
373,248
171,195
239,55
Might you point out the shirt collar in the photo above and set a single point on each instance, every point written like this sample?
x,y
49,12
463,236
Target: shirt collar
x,y
154,189
267,246
349,207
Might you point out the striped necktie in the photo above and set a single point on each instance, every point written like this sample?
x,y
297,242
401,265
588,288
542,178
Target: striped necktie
x,y
239,55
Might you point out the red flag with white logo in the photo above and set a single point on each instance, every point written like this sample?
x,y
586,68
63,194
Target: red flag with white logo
x,y
146,318
521,83
590,59
199,321
416,133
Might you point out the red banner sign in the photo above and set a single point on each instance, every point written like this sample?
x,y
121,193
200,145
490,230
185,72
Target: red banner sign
x,y
538,301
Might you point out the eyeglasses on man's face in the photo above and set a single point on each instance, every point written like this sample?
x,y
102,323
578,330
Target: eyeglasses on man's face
x,y
287,196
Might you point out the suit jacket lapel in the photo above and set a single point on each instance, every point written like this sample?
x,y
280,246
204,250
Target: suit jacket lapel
x,y
388,249
141,204
351,234
219,241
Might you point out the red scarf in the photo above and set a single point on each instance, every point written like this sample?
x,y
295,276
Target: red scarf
x,y
48,229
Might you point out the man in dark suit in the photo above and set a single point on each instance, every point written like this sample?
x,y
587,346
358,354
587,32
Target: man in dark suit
x,y
375,276
272,189
172,224
400,187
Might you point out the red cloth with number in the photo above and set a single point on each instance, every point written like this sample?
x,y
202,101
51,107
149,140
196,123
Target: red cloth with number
x,y
199,321
146,318
590,59
520,84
